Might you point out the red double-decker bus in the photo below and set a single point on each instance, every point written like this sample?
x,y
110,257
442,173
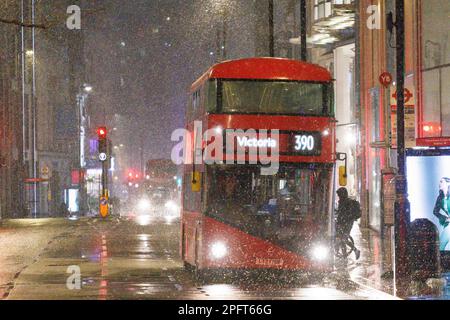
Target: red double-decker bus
x,y
235,215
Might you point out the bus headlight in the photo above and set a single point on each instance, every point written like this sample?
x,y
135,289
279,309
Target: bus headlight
x,y
320,252
218,250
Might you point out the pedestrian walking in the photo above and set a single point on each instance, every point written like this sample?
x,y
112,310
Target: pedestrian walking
x,y
348,212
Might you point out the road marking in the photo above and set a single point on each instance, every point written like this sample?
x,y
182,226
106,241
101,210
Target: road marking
x,y
103,290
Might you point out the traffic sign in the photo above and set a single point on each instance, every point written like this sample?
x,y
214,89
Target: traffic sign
x,y
104,207
408,95
410,114
45,170
102,157
386,79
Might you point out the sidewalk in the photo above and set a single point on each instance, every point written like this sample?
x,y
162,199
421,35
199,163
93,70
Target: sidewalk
x,y
374,270
21,242
372,265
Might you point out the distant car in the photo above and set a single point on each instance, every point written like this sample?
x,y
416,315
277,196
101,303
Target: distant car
x,y
159,196
156,202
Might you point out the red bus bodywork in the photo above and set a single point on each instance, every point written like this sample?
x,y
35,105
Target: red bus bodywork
x,y
246,251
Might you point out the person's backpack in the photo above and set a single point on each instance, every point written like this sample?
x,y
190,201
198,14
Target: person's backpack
x,y
355,211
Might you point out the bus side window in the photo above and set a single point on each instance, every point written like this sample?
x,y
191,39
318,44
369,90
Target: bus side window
x,y
196,107
201,109
230,102
189,109
196,104
211,96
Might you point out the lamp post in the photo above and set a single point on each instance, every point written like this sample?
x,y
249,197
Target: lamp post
x,y
82,95
31,54
271,29
402,205
303,31
222,8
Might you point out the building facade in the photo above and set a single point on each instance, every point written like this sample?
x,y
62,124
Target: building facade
x,y
41,71
12,169
427,106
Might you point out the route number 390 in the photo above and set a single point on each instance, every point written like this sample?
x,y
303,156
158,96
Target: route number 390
x,y
304,143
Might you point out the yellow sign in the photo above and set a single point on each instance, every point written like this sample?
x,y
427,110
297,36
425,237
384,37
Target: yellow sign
x,y
45,171
104,207
342,176
196,184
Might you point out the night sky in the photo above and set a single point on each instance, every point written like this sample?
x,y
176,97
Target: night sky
x,y
142,57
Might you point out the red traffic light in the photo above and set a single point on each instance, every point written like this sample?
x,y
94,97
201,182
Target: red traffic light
x,y
102,132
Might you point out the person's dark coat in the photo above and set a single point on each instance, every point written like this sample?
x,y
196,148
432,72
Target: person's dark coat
x,y
347,214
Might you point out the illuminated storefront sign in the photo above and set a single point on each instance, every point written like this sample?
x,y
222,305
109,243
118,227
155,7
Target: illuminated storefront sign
x,y
429,189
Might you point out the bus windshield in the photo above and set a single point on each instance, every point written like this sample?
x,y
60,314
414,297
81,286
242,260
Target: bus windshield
x,y
277,97
282,208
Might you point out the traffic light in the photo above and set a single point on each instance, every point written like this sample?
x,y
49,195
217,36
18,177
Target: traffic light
x,y
102,133
103,156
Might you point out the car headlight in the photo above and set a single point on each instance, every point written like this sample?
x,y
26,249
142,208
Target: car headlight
x,y
144,204
219,250
144,220
171,205
169,219
320,253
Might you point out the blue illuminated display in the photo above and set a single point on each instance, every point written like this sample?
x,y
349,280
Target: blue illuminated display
x,y
427,176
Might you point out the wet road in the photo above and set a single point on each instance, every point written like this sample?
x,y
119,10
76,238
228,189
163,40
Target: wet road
x,y
128,259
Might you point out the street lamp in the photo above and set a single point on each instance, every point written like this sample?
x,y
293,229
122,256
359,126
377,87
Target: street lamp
x,y
271,29
83,93
222,7
87,88
402,205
